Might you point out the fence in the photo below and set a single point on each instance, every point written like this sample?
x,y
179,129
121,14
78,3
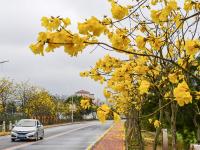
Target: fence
x,y
6,127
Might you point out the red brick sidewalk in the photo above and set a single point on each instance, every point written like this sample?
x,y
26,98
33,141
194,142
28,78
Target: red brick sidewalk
x,y
113,140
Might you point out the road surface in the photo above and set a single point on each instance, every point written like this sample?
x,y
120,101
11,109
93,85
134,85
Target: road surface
x,y
67,137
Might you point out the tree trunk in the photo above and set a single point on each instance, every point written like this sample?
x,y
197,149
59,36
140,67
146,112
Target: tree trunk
x,y
158,130
196,122
173,125
198,134
133,136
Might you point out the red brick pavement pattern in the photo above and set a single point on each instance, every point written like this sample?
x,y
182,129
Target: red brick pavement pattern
x,y
113,140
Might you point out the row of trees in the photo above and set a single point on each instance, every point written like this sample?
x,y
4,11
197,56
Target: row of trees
x,y
158,78
19,100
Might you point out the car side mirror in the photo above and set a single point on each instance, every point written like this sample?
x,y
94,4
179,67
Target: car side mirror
x,y
39,125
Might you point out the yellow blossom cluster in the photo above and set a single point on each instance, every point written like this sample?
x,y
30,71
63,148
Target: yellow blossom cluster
x,y
173,78
161,16
192,46
141,42
197,94
72,43
85,103
144,86
118,11
107,94
108,63
102,112
116,117
154,2
92,25
53,23
190,4
182,94
119,39
157,124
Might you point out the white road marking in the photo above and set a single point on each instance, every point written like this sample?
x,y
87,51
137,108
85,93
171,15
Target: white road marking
x,y
47,138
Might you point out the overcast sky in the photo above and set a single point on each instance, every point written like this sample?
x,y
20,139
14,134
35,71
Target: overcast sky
x,y
56,72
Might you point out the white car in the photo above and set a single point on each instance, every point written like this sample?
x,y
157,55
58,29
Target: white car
x,y
27,129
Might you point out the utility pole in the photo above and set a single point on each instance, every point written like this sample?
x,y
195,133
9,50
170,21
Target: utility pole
x,y
72,110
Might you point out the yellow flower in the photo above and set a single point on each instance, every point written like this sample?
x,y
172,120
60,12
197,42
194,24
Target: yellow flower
x,y
150,120
84,74
192,46
182,94
106,93
66,21
118,11
144,87
101,116
155,16
177,20
37,48
102,112
50,23
116,117
42,37
173,78
154,2
188,5
172,5
120,40
156,124
92,25
140,41
197,95
85,104
156,43
141,69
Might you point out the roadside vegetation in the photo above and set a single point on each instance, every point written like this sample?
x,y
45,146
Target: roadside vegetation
x,y
23,100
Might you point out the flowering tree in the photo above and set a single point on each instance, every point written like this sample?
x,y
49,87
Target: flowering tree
x,y
160,41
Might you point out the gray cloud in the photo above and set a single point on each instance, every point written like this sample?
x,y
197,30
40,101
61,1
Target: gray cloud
x,y
57,72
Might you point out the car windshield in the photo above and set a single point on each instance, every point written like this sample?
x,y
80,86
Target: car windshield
x,y
26,123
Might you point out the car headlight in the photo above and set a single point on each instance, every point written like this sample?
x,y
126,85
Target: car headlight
x,y
14,131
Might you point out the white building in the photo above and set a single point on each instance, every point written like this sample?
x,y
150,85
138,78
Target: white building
x,y
84,93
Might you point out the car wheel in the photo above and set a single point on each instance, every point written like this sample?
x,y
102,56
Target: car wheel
x,y
42,137
12,140
36,137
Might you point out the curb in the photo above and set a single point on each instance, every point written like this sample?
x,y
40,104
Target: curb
x,y
91,146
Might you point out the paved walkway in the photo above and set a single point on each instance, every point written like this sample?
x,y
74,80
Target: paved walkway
x,y
113,140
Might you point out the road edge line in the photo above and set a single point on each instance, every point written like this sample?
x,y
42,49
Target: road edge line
x,y
47,138
91,146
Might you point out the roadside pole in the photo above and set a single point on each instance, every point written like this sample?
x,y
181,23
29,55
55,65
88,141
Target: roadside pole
x,y
72,110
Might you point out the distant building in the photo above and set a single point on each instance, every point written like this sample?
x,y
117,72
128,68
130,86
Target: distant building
x,y
97,102
84,93
17,102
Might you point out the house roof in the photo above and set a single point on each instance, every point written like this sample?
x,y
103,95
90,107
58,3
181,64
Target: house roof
x,y
82,92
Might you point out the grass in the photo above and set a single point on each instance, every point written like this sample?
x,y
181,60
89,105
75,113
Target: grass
x,y
149,140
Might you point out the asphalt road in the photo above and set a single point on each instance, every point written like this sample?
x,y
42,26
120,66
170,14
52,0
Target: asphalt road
x,y
67,137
